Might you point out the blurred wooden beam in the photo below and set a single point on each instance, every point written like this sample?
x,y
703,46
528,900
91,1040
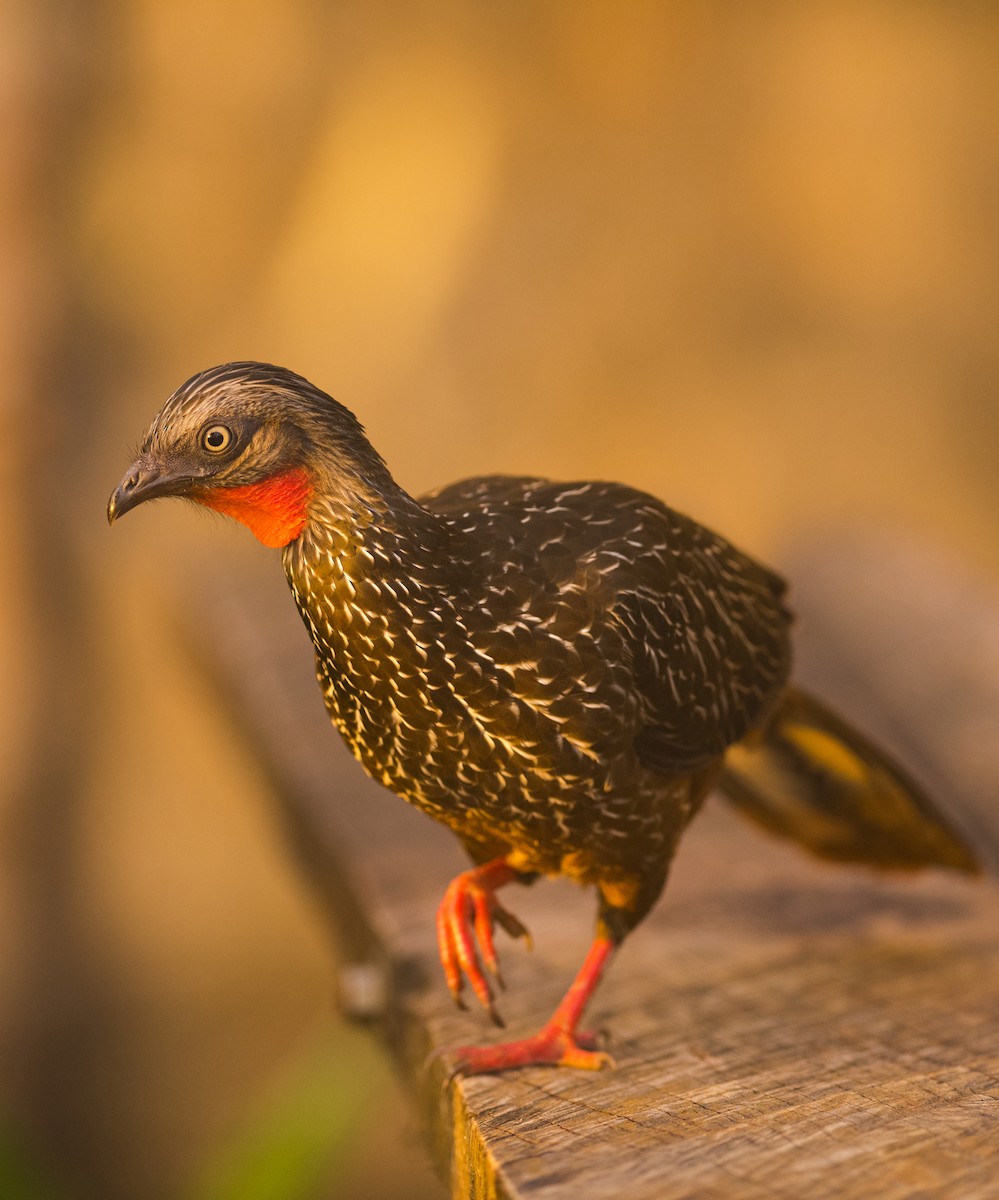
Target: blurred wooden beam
x,y
780,1025
57,1001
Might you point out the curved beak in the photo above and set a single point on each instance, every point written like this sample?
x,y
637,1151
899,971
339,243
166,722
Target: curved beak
x,y
144,480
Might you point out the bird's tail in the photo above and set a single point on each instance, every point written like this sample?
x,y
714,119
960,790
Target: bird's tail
x,y
812,778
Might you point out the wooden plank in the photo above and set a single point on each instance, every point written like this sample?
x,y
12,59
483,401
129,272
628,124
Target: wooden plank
x,y
781,1026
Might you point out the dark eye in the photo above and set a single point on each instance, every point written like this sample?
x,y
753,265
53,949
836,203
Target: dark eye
x,y
216,438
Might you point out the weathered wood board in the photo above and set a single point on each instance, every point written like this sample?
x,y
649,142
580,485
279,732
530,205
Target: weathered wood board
x,y
781,1027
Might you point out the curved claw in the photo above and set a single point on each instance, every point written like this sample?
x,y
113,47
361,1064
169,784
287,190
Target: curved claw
x,y
511,925
465,921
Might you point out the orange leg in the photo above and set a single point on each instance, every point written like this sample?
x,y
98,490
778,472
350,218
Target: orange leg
x,y
466,916
559,1043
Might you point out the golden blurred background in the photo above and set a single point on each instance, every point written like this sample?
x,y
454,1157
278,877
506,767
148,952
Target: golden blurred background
x,y
744,256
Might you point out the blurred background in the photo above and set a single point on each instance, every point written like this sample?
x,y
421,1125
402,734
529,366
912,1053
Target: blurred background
x,y
743,256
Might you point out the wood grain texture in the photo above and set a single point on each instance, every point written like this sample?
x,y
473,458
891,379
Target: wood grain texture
x,y
782,1027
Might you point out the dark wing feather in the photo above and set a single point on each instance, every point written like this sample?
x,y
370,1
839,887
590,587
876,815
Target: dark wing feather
x,y
714,648
683,634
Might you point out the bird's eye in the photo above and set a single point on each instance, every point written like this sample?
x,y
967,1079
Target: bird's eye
x,y
216,438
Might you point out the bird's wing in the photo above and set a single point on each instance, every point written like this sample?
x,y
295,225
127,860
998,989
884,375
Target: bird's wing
x,y
712,646
609,607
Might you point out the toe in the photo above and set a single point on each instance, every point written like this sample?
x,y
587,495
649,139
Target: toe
x,y
549,1048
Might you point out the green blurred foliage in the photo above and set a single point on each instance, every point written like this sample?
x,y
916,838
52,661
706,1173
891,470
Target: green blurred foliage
x,y
299,1142
21,1177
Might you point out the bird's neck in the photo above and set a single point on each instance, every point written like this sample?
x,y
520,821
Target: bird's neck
x,y
356,533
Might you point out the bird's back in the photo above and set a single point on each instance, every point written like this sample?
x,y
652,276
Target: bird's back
x,y
639,610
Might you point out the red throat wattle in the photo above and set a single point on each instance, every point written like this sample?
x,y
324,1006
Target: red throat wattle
x,y
275,510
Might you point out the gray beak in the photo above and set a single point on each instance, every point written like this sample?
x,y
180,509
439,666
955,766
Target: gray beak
x,y
144,480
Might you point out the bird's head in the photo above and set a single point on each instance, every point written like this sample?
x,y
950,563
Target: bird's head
x,y
254,442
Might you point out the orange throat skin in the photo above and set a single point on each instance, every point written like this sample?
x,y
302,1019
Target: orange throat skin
x,y
275,511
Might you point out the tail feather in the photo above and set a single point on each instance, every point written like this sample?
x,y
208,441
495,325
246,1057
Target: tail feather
x,y
812,778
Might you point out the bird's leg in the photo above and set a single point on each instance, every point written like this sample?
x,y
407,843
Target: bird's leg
x,y
466,916
559,1043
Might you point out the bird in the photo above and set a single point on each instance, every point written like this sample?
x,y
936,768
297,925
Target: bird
x,y
559,672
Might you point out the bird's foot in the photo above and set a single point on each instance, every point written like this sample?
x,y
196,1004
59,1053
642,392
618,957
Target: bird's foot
x,y
553,1046
558,1044
465,921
